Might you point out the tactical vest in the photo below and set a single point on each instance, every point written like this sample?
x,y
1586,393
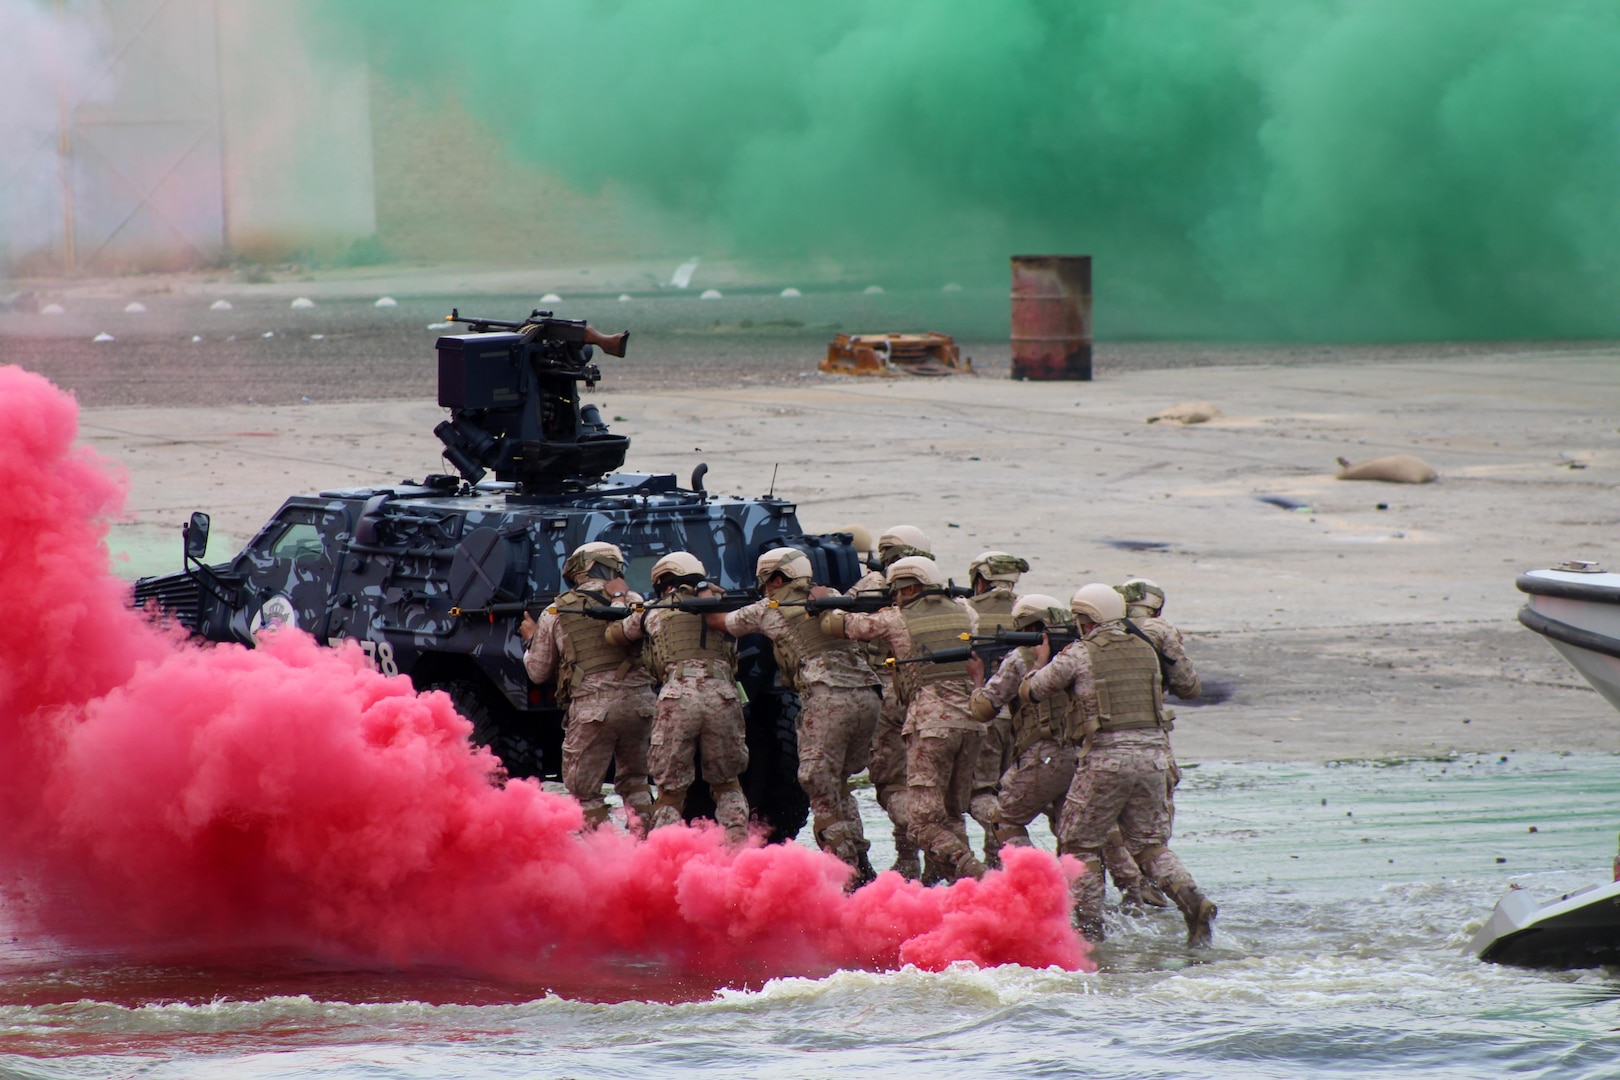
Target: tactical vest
x,y
586,650
803,639
1125,670
933,623
1050,718
682,636
995,610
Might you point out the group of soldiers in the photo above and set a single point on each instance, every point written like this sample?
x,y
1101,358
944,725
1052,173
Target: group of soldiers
x,y
1074,727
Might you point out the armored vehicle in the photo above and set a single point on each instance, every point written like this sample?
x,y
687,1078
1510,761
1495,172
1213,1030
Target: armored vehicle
x,y
431,577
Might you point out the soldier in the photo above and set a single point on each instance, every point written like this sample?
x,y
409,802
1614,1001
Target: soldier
x,y
1144,600
888,761
992,577
1044,740
698,703
840,699
605,689
941,736
1123,774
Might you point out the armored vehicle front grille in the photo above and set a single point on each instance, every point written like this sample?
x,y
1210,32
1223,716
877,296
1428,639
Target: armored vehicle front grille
x,y
179,594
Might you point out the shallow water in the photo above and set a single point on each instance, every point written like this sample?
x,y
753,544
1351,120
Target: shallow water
x,y
1348,894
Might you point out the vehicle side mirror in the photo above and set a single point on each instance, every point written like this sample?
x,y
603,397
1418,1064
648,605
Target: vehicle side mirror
x,y
196,534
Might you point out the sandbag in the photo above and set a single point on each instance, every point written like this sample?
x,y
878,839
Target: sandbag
x,y
1394,469
1187,412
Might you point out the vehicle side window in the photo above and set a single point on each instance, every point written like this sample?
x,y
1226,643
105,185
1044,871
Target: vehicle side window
x,y
300,543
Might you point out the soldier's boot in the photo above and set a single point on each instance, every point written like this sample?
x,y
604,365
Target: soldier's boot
x,y
668,809
1013,836
731,809
596,816
1162,866
986,810
934,870
1088,897
1199,912
906,857
864,874
1146,895
637,807
968,865
1127,875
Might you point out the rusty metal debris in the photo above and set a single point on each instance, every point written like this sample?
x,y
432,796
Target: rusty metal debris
x,y
890,355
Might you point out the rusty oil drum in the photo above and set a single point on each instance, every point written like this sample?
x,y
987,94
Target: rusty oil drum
x,y
1051,317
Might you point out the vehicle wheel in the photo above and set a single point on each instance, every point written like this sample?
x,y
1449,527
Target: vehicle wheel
x,y
772,780
492,726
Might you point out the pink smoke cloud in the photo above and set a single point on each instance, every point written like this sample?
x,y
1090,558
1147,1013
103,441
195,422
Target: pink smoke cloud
x,y
290,796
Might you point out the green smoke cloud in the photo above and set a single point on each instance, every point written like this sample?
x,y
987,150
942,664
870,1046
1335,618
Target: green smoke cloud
x,y
1289,168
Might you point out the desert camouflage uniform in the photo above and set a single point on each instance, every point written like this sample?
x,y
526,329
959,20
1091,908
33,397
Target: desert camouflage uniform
x,y
1042,766
994,607
1183,682
1123,777
839,705
942,743
887,768
609,712
698,705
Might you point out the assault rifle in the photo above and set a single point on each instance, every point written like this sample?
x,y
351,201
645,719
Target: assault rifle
x,y
727,601
992,648
865,603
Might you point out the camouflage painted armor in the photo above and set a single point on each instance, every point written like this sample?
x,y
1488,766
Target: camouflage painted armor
x,y
933,623
995,609
676,637
1125,671
585,648
1051,719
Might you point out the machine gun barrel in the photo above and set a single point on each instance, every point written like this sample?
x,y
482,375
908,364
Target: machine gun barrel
x,y
540,326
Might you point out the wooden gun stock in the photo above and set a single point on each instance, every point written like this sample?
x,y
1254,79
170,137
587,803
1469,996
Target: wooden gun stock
x,y
612,344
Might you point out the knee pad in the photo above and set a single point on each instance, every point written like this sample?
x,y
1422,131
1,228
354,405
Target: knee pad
x,y
674,798
1146,856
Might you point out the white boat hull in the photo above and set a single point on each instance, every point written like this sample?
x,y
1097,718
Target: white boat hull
x,y
1574,931
1579,615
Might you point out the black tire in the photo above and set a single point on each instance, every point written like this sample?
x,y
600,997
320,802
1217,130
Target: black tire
x,y
493,726
771,781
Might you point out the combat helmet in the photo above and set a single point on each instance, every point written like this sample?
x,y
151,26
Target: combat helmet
x,y
998,566
915,570
1143,598
596,559
901,542
1038,608
791,563
860,538
1098,602
676,569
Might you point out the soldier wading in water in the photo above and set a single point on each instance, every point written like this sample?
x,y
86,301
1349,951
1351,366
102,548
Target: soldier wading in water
x,y
698,702
840,698
1123,776
942,738
607,692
